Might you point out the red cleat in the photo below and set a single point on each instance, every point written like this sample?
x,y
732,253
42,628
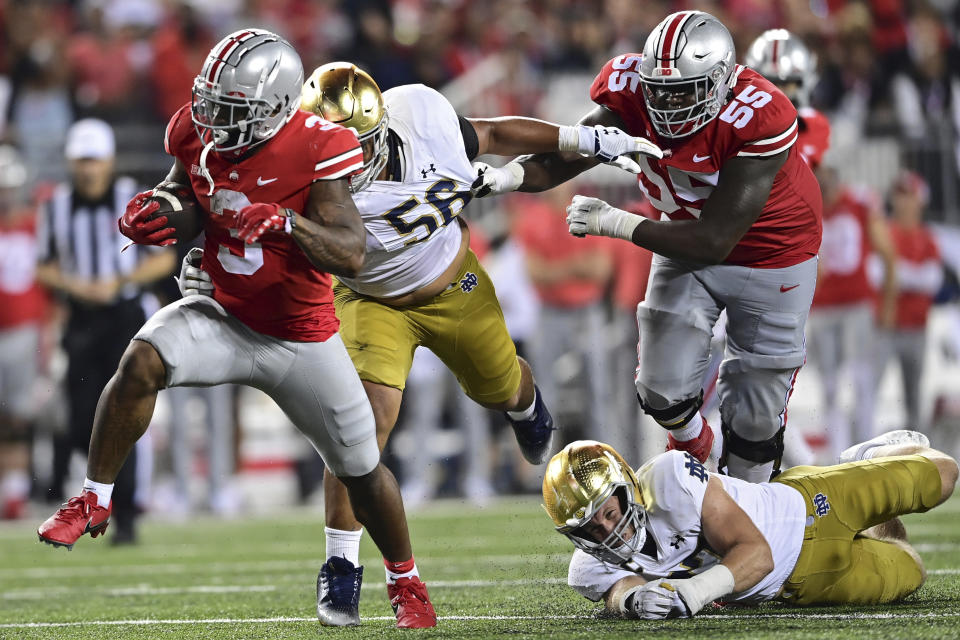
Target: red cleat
x,y
78,516
411,604
699,447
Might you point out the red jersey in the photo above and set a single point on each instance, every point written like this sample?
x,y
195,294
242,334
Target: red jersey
x,y
758,121
543,233
22,299
844,254
916,248
814,136
270,285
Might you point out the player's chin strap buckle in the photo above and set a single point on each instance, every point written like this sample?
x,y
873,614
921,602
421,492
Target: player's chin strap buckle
x,y
755,451
676,416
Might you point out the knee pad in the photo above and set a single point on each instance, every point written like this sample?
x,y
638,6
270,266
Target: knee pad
x,y
677,415
760,452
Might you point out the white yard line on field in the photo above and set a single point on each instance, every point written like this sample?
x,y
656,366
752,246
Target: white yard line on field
x,y
737,618
149,590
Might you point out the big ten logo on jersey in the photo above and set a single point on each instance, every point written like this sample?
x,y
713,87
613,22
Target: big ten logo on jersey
x,y
233,254
417,218
740,110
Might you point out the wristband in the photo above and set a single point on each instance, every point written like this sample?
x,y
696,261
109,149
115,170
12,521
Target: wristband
x,y
579,138
515,172
696,592
623,224
290,224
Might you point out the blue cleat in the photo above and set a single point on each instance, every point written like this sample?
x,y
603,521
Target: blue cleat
x,y
338,593
536,434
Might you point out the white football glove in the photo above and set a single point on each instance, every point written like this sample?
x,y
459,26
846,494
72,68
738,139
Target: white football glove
x,y
492,181
654,601
607,144
594,217
193,280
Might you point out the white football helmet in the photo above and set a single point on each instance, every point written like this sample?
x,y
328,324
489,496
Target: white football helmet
x,y
781,57
248,88
686,72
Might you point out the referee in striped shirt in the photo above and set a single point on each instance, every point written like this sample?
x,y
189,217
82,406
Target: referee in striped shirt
x,y
81,261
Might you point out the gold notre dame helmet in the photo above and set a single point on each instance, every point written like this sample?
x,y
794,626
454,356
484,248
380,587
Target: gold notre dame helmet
x,y
344,94
578,481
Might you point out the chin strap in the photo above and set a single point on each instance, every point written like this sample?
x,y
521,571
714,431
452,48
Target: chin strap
x,y
203,165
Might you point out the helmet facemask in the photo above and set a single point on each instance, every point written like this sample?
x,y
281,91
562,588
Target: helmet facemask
x,y
234,122
375,152
678,108
627,537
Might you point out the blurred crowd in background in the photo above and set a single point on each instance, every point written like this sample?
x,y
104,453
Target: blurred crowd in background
x,y
888,78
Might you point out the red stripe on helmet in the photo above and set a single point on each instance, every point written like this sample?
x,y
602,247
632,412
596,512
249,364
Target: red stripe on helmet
x,y
669,42
776,57
225,52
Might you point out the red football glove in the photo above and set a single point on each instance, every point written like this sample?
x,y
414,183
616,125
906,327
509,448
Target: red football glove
x,y
254,220
134,224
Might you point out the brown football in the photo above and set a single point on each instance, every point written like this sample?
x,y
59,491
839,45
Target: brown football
x,y
183,212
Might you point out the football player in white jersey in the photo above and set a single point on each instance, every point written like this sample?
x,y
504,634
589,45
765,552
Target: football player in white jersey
x,y
670,538
420,284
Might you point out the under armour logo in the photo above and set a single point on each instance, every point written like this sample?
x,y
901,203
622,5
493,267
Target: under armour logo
x,y
678,539
821,504
469,282
696,469
431,169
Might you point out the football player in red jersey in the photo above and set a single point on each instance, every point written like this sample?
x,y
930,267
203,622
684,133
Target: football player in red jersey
x,y
842,315
783,59
741,232
273,181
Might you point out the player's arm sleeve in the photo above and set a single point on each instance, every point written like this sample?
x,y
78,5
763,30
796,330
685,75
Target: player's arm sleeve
x,y
339,155
471,143
592,578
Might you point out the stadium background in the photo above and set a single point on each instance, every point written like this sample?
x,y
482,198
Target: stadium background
x,y
889,79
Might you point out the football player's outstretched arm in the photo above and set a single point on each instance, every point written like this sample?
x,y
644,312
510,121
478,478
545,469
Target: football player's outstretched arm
x,y
742,191
330,231
544,171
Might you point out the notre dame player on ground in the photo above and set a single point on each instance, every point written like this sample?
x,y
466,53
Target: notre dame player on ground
x,y
420,284
671,538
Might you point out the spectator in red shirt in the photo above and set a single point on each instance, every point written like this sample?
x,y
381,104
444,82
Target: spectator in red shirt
x,y
919,274
570,276
23,307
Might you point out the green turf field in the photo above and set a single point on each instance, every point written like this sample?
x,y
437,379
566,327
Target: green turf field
x,y
492,572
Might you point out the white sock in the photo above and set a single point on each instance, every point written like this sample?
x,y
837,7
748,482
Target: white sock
x,y
394,573
690,430
345,544
524,414
103,491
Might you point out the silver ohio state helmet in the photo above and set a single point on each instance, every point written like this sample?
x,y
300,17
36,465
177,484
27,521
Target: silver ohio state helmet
x,y
686,72
248,89
780,57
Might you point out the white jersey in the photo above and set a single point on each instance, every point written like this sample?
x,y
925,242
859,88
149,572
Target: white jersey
x,y
410,238
674,484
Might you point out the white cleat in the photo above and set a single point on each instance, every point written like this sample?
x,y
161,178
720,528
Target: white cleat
x,y
900,436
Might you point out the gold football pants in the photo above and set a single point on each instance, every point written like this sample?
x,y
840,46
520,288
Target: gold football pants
x,y
463,325
837,565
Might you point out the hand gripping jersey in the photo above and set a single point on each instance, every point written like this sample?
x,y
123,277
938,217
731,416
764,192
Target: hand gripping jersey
x,y
813,138
674,484
757,121
845,251
269,285
410,238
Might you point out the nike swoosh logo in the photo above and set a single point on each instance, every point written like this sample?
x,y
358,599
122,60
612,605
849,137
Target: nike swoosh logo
x,y
261,181
784,288
697,158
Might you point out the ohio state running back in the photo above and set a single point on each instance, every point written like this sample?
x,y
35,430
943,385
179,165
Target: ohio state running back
x,y
269,285
740,231
274,181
